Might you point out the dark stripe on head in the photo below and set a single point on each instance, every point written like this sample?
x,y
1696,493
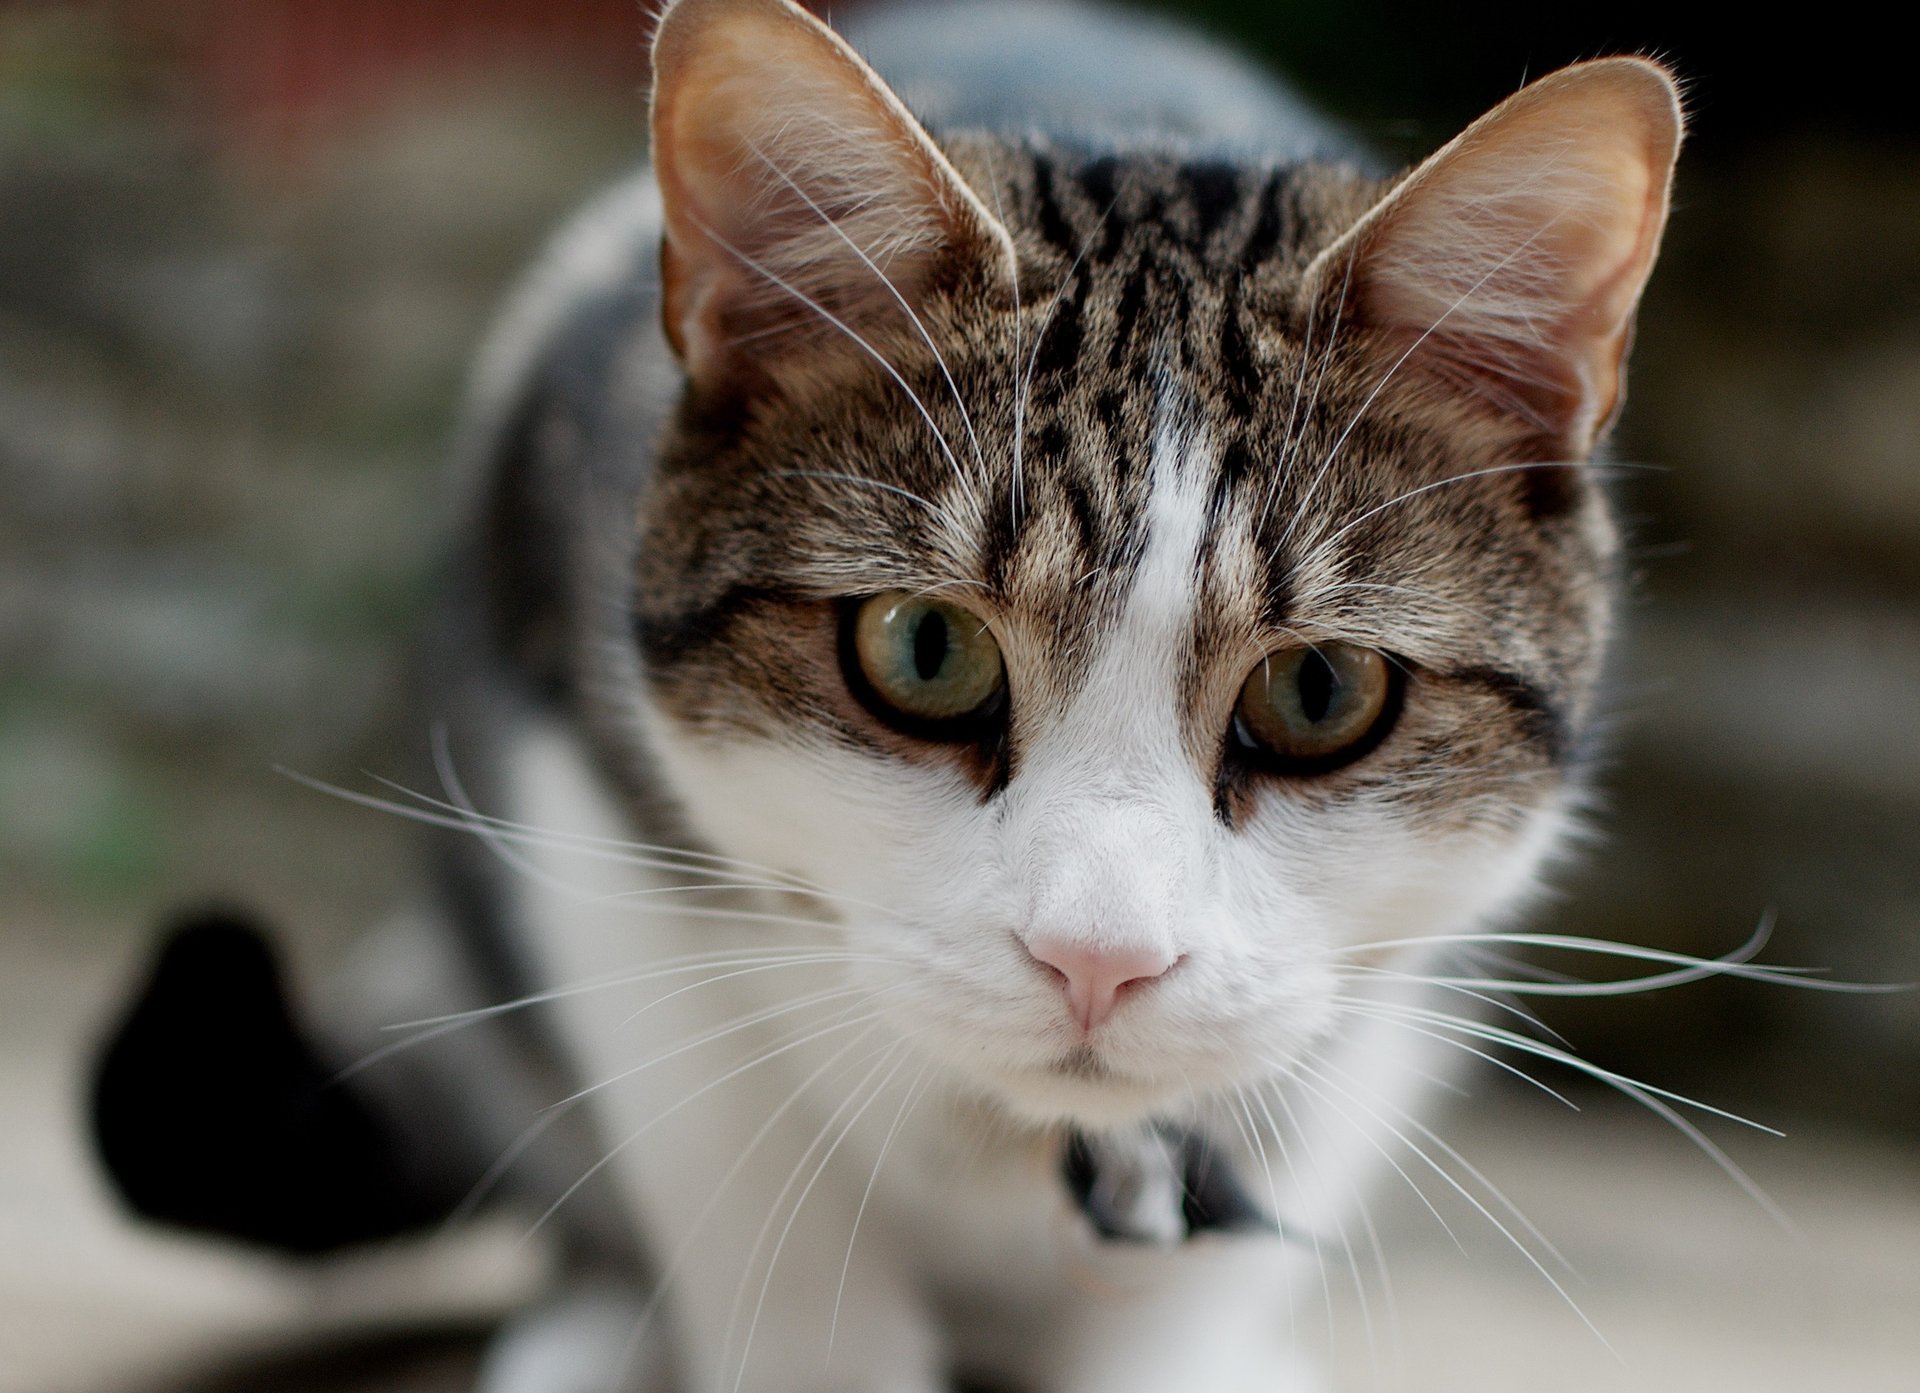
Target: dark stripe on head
x,y
1542,723
668,638
1273,228
1213,192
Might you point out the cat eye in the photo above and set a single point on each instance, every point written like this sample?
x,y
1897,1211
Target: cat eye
x,y
1312,709
922,665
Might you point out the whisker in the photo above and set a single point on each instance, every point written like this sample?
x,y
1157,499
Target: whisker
x,y
1448,1179
773,278
1340,441
892,289
1326,544
870,1021
665,1281
733,973
939,513
695,859
1367,1226
1250,1132
500,838
1472,1172
1659,1101
1463,986
1499,1035
1736,963
758,1017
670,967
1016,492
1296,418
1293,1173
793,1212
1359,1006
784,881
1410,592
907,1104
1365,1135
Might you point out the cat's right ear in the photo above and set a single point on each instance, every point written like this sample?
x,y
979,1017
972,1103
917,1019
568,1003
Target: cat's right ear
x,y
805,208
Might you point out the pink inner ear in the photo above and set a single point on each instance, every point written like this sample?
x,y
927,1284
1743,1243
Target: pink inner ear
x,y
803,204
1511,262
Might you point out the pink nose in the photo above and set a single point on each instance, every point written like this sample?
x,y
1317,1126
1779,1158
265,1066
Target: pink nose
x,y
1095,978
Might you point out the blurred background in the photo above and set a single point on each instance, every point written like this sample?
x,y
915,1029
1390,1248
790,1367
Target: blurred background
x,y
247,248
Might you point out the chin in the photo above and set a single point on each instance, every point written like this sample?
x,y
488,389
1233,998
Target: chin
x,y
1082,1093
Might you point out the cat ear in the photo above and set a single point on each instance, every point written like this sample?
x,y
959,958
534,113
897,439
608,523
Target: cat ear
x,y
797,190
1511,261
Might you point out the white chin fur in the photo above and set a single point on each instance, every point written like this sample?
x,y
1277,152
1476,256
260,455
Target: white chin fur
x,y
1051,1099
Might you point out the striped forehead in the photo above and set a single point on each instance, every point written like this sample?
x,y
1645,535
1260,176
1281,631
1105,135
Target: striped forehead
x,y
1105,598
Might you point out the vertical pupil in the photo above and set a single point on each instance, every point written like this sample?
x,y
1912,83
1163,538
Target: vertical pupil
x,y
930,645
1317,684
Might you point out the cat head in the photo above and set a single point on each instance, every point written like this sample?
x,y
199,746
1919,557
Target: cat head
x,y
1146,590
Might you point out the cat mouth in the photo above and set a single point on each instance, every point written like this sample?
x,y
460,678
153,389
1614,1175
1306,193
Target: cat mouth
x,y
1084,1063
1080,1086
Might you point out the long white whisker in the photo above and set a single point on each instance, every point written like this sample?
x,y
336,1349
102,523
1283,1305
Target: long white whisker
x,y
1460,986
1360,1006
670,967
665,1281
793,1211
754,970
1297,418
1313,487
751,872
920,406
1453,1184
940,514
1473,1172
1250,1131
1366,1135
1326,544
911,1100
1016,492
500,842
919,326
781,881
747,1022
870,1021
1286,1159
1494,1034
1366,1223
1735,963
484,827
1657,1100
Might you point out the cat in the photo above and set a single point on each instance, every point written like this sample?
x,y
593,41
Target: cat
x,y
1007,616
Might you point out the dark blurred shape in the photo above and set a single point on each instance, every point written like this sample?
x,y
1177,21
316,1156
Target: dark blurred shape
x,y
1411,74
213,1111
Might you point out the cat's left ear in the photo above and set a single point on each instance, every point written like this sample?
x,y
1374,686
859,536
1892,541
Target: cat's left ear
x,y
804,205
1510,263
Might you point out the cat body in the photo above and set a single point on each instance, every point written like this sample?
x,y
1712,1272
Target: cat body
x,y
988,642
1147,395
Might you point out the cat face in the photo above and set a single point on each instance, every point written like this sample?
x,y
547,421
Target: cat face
x,y
1147,605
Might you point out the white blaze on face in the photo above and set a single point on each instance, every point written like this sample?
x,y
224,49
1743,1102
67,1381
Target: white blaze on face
x,y
1108,821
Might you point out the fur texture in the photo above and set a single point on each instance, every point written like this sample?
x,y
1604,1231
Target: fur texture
x,y
1150,407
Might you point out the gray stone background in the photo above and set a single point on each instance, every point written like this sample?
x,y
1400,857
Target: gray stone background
x,y
227,371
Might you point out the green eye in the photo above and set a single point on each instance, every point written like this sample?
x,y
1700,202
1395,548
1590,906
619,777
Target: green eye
x,y
924,665
1314,709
